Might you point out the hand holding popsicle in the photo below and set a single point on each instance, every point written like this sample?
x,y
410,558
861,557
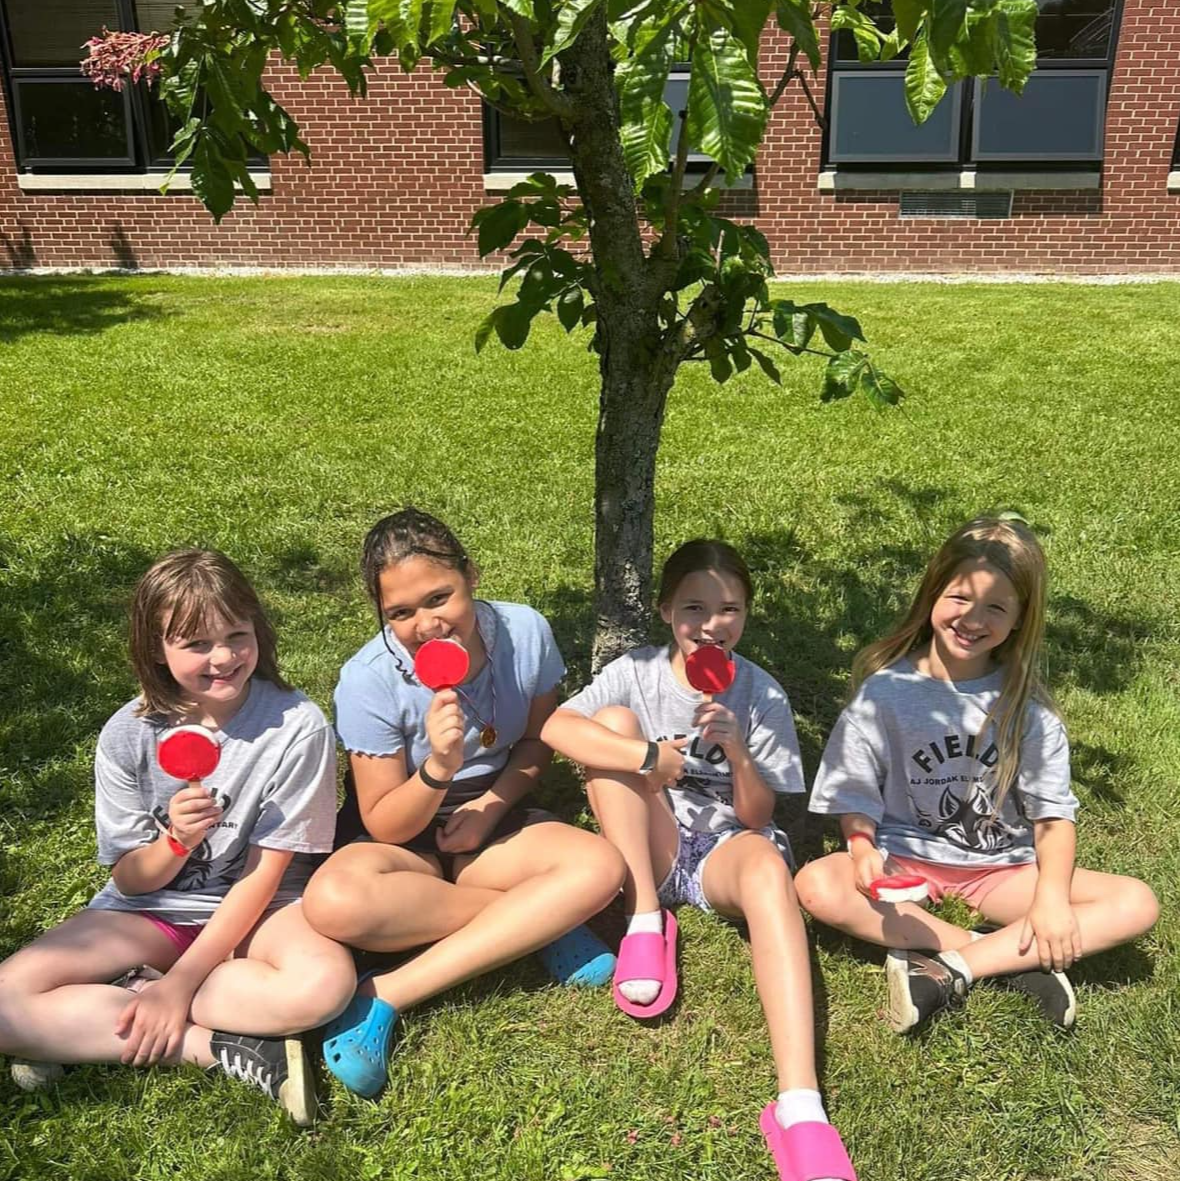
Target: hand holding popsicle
x,y
191,754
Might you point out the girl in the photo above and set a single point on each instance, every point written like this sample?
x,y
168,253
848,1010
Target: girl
x,y
951,762
206,877
684,787
443,849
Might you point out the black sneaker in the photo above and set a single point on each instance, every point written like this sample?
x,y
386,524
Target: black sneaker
x,y
1051,990
277,1066
919,987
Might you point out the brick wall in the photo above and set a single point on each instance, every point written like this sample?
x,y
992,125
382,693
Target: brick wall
x,y
395,177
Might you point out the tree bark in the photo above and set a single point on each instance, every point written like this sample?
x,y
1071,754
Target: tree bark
x,y
635,377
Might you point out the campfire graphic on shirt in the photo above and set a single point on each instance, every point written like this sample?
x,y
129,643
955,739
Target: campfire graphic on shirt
x,y
201,872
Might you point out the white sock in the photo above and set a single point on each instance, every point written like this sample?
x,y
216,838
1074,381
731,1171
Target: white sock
x,y
799,1106
643,992
953,959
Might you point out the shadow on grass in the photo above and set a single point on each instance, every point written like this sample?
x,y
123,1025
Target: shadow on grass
x,y
59,306
63,653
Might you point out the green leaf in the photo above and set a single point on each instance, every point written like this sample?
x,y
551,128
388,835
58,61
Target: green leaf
x,y
795,17
794,326
1016,53
498,225
719,359
439,20
510,322
975,53
572,16
520,7
645,119
570,308
881,390
748,17
766,364
866,34
841,374
908,14
946,25
924,84
211,180
838,331
727,107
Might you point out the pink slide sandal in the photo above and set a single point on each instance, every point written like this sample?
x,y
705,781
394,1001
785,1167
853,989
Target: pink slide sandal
x,y
807,1151
649,956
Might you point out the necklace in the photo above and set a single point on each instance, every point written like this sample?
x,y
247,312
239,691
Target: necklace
x,y
487,729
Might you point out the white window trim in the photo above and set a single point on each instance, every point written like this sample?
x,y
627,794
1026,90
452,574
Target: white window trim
x,y
117,182
843,180
501,182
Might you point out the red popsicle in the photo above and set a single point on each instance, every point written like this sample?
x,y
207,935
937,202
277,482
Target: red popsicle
x,y
709,670
441,664
899,887
188,753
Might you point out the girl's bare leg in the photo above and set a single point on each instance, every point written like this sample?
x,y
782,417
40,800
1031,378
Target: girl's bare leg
x,y
1110,910
284,978
384,898
55,1004
634,818
747,878
827,891
543,881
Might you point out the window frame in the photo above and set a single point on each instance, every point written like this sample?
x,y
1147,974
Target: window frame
x,y
970,91
145,153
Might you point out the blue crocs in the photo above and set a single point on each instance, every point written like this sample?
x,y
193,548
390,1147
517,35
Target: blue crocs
x,y
579,957
357,1044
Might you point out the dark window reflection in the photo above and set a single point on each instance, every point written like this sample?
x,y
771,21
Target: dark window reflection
x,y
72,120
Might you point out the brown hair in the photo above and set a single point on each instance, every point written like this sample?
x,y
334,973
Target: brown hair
x,y
700,554
1008,545
409,533
182,594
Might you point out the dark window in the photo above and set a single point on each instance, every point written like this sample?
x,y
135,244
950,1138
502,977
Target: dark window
x,y
514,145
60,121
1057,122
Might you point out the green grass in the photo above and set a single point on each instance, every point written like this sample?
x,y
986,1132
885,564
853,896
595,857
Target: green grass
x,y
278,418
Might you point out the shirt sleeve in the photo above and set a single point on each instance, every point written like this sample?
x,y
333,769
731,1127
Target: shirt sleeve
x,y
608,688
122,821
851,774
298,812
1043,781
363,713
774,747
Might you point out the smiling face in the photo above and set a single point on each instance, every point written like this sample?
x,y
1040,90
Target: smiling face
x,y
973,616
707,607
213,666
422,599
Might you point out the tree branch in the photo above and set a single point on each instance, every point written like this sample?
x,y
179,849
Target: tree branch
x,y
558,103
794,349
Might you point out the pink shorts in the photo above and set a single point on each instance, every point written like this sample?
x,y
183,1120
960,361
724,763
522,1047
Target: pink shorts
x,y
973,884
181,934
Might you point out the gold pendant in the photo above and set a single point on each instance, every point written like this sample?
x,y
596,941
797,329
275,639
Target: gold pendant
x,y
488,736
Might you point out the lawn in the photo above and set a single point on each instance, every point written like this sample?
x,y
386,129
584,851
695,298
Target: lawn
x,y
278,418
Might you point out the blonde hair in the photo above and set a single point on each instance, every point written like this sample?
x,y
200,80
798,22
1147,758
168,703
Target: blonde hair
x,y
182,594
1009,546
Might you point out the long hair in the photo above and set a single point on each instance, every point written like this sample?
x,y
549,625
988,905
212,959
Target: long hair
x,y
181,595
1009,546
698,555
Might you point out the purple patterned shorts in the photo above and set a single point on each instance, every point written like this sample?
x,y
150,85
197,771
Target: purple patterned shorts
x,y
683,882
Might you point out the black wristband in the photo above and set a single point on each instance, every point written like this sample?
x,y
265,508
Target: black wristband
x,y
651,756
430,780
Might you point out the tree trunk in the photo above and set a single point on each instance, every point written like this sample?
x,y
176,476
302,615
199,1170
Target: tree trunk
x,y
635,378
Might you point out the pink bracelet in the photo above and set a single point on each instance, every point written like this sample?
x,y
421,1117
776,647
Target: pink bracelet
x,y
854,836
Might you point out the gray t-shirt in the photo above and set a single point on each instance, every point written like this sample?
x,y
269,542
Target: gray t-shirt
x,y
275,780
703,798
909,753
